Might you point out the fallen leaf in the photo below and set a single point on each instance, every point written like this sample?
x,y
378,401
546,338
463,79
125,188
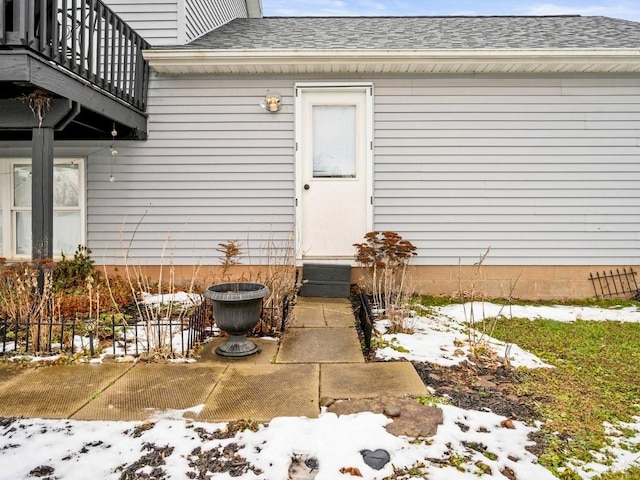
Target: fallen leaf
x,y
507,423
352,471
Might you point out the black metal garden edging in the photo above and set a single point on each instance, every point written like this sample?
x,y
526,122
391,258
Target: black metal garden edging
x,y
365,319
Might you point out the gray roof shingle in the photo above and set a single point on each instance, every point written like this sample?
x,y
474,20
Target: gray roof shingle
x,y
375,33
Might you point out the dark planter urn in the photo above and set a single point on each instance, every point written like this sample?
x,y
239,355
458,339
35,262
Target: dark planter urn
x,y
236,310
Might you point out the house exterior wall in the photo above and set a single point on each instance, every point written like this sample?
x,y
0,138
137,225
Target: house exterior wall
x,y
176,22
543,170
203,16
158,21
215,168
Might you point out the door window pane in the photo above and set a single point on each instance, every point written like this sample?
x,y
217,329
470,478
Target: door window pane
x,y
334,141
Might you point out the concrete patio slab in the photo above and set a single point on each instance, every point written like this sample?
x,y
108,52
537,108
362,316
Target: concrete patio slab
x,y
337,303
339,315
266,356
150,388
370,380
263,392
322,312
319,300
321,358
56,391
320,345
9,370
308,315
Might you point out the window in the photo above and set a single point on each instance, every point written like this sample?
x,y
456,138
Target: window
x,y
334,141
15,207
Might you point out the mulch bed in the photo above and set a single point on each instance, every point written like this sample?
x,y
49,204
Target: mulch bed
x,y
477,386
485,386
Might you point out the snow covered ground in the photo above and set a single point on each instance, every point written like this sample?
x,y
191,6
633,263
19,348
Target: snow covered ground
x,y
469,445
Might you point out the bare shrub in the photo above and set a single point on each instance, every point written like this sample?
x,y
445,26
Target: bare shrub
x,y
472,295
385,257
231,254
279,275
27,302
155,301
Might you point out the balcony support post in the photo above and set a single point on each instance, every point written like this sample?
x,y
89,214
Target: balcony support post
x,y
42,193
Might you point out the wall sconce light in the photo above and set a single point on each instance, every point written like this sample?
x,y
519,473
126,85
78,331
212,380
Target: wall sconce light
x,y
271,102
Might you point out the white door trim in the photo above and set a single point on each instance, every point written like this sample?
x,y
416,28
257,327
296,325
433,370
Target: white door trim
x,y
366,87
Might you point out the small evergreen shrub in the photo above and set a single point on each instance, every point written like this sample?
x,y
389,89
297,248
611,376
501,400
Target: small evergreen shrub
x,y
72,273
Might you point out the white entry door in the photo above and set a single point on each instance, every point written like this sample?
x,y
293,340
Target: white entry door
x,y
334,153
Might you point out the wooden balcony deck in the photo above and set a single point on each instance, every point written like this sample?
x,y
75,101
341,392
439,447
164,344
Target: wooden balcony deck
x,y
78,51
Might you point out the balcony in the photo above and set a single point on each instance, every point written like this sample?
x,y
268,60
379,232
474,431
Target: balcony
x,y
82,59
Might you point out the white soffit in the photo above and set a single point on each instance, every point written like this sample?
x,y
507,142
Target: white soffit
x,y
256,61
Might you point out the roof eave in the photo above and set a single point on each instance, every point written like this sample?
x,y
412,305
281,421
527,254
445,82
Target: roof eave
x,y
269,61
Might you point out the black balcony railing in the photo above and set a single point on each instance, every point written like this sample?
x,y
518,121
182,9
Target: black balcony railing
x,y
84,37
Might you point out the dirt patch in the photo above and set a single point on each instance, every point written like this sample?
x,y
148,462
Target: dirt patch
x,y
473,386
217,460
153,460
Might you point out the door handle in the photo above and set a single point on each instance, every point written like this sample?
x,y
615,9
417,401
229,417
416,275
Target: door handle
x,y
306,186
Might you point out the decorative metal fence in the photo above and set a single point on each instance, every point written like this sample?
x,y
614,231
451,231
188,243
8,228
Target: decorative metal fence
x,y
274,316
111,334
615,284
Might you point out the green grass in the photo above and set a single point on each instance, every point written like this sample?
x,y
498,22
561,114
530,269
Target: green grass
x,y
631,474
597,379
439,301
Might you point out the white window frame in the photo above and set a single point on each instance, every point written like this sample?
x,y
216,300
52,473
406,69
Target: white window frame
x,y
8,219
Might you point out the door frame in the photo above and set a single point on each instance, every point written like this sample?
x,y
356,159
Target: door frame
x,y
299,88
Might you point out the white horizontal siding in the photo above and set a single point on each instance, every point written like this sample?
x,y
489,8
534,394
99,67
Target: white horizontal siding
x,y
202,16
176,22
156,20
544,171
216,167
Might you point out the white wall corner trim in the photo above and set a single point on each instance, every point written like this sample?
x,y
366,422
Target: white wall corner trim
x,y
254,8
181,33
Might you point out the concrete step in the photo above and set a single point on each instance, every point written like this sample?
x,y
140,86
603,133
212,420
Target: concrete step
x,y
325,280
